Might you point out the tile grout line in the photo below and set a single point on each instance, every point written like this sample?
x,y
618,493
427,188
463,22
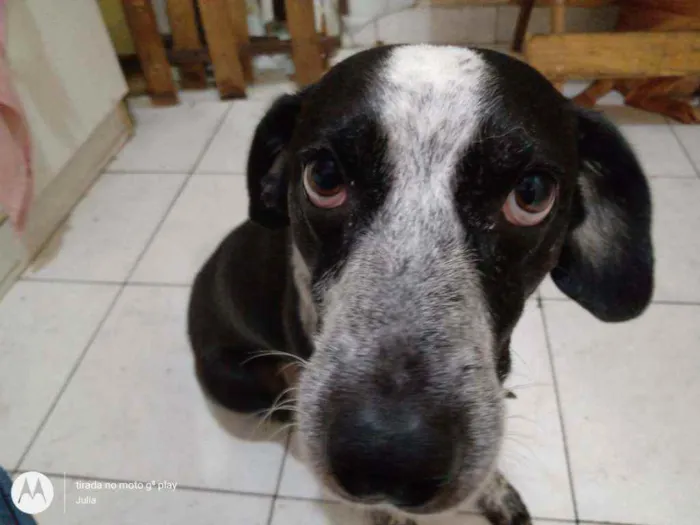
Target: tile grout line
x,y
560,408
537,296
280,474
97,282
117,295
685,151
144,172
664,302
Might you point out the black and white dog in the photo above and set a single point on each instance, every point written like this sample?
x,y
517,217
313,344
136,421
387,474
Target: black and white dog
x,y
402,210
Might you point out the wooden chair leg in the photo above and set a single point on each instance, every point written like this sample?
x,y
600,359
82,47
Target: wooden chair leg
x,y
524,15
238,10
149,47
181,15
681,110
223,48
589,96
306,51
558,16
558,25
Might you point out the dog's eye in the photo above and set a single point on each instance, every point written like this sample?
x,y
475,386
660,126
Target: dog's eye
x,y
324,184
531,200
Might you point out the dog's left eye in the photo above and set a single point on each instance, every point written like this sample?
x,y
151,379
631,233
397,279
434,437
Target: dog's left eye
x,y
324,184
531,200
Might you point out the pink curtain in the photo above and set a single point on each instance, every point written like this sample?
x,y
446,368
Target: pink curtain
x,y
15,147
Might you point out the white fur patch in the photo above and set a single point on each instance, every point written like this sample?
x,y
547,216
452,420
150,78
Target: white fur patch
x,y
431,101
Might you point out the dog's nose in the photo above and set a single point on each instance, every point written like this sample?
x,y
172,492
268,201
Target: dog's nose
x,y
394,455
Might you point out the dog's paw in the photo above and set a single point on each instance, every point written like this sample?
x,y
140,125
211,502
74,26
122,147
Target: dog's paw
x,y
384,518
502,505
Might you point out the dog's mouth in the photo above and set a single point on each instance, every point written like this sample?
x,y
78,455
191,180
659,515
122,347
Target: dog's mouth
x,y
461,484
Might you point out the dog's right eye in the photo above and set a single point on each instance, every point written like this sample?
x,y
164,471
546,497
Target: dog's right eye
x,y
531,200
324,184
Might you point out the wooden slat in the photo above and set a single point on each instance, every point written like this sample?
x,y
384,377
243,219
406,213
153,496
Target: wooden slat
x,y
306,52
149,47
615,55
257,46
223,48
181,15
238,11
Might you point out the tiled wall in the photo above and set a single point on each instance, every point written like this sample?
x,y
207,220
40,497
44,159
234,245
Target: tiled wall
x,y
395,21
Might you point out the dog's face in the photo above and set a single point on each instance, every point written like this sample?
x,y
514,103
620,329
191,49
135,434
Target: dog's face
x,y
428,191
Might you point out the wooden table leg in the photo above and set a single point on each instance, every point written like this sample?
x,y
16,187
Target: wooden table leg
x,y
238,10
306,52
223,48
181,15
149,47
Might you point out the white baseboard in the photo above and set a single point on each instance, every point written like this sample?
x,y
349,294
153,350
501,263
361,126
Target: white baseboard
x,y
56,201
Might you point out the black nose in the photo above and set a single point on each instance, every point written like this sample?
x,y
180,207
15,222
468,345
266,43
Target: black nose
x,y
397,455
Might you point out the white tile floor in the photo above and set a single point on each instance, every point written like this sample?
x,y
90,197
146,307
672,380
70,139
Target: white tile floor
x,y
96,381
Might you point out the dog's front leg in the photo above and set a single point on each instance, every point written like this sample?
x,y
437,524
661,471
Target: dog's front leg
x,y
501,504
384,518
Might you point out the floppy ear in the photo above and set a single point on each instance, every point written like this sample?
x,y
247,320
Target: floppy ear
x,y
267,163
607,261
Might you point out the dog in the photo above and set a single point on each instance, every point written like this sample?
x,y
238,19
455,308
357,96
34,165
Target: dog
x,y
402,210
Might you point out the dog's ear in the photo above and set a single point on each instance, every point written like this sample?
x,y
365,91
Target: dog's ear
x,y
607,261
267,163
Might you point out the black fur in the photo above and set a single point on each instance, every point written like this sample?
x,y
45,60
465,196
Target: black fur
x,y
244,300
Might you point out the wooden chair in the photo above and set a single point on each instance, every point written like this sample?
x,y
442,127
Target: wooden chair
x,y
653,58
229,47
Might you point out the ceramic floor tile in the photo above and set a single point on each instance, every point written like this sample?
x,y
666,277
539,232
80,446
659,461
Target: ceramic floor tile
x,y
676,243
623,115
690,138
676,239
209,207
109,228
628,391
134,409
138,506
228,152
44,328
533,458
169,139
658,150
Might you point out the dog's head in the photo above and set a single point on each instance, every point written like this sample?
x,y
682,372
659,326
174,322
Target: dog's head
x,y
428,191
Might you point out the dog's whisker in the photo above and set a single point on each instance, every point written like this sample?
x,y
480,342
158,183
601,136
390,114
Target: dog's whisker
x,y
276,353
282,429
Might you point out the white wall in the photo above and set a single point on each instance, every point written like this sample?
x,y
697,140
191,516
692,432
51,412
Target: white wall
x,y
410,21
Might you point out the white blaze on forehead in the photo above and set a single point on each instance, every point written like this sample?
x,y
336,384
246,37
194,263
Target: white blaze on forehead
x,y
431,100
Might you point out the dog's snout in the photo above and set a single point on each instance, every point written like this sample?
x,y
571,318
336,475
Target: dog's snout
x,y
391,454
